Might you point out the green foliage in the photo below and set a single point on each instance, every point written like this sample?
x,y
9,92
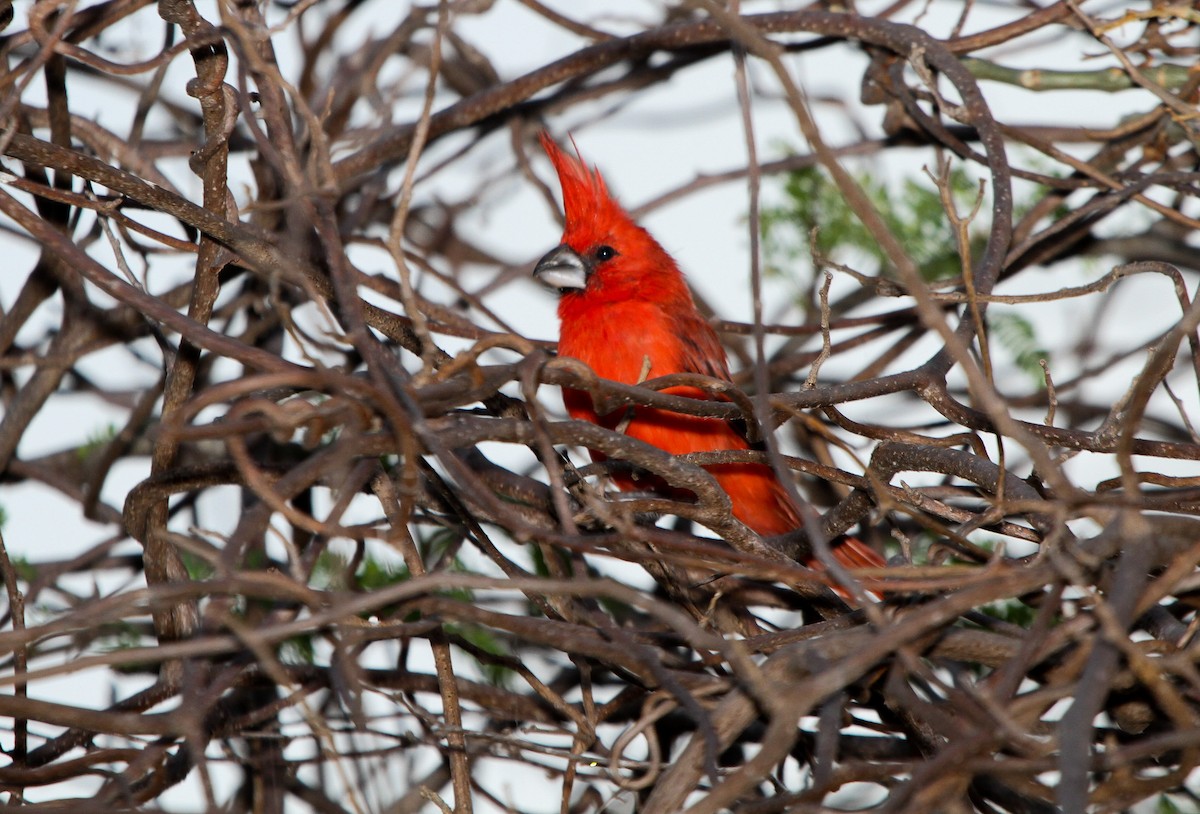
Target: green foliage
x,y
3,517
1018,336
538,556
329,573
485,640
913,213
197,567
256,559
26,571
817,216
119,636
436,544
97,440
373,574
297,650
1011,611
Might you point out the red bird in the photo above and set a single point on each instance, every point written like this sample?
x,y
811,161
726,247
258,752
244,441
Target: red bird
x,y
627,313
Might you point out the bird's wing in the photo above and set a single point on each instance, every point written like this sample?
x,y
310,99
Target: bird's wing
x,y
700,348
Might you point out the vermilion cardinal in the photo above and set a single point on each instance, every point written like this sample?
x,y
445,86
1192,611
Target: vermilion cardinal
x,y
627,313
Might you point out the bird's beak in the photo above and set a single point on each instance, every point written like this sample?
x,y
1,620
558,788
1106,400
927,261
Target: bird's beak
x,y
562,269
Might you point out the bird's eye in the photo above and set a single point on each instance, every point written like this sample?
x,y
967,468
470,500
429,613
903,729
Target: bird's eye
x,y
606,253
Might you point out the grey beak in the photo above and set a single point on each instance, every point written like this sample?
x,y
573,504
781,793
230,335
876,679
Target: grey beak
x,y
562,269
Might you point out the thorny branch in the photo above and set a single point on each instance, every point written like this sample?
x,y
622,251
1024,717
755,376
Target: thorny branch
x,y
341,538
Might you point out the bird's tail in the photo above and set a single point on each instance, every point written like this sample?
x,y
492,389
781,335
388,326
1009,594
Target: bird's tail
x,y
853,553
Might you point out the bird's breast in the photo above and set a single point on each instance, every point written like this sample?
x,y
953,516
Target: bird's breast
x,y
625,342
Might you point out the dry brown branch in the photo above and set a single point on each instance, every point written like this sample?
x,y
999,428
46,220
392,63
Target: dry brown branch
x,y
291,511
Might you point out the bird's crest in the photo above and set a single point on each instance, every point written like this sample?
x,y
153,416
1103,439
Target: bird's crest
x,y
586,201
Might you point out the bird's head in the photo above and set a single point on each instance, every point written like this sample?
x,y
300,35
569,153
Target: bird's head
x,y
604,256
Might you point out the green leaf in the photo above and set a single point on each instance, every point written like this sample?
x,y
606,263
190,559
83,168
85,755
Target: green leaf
x,y
26,571
1018,335
373,574
119,636
484,639
1012,611
297,650
196,566
540,568
914,214
97,440
329,571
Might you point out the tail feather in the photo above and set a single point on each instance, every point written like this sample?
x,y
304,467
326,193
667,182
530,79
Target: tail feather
x,y
854,553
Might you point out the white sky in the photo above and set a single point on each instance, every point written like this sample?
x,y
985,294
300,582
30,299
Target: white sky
x,y
659,141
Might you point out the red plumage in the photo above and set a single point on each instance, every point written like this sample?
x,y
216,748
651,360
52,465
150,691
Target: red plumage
x,y
626,312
